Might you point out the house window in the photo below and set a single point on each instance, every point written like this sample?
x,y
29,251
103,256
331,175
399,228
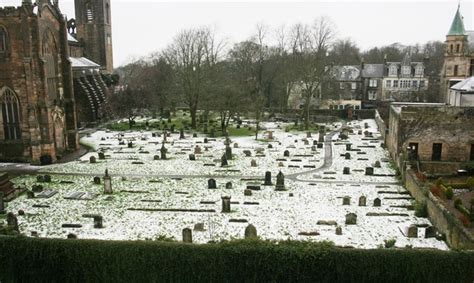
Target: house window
x,y
406,70
455,70
471,158
458,48
372,83
395,83
414,84
437,150
372,95
451,48
3,40
341,85
388,83
419,70
10,114
422,83
413,146
392,71
353,86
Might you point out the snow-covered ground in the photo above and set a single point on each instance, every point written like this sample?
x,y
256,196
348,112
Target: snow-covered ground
x,y
312,195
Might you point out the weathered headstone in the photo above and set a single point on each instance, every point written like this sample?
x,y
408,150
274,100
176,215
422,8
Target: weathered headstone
x,y
97,180
228,185
247,192
430,232
107,183
369,171
321,136
224,161
163,151
348,146
47,178
211,184
362,201
92,159
346,171
12,222
308,134
347,156
156,157
236,145
268,178
280,164
320,145
101,155
30,194
192,157
250,232
351,219
377,164
346,200
98,222
253,163
130,144
313,148
377,202
270,146
187,235
225,204
247,153
181,134
195,135
412,232
228,152
205,140
270,135
197,150
338,230
306,142
286,153
71,236
280,183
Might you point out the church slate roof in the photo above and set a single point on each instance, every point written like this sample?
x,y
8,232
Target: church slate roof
x,y
82,62
457,27
373,71
465,85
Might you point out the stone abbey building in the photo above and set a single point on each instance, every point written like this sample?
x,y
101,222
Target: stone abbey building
x,y
51,76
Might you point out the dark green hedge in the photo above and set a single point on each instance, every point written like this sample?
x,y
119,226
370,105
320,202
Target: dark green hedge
x,y
46,260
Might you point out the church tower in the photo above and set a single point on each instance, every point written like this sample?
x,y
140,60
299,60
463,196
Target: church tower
x,y
457,57
94,31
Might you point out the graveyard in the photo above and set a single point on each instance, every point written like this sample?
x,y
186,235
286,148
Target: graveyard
x,y
336,184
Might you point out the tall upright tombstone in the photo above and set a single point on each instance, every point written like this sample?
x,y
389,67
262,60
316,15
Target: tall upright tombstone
x,y
107,183
163,151
224,160
211,184
280,183
181,134
228,152
12,222
250,232
187,235
268,178
225,204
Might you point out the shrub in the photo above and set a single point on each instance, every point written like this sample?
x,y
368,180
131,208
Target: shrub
x,y
439,182
449,192
457,202
470,182
421,209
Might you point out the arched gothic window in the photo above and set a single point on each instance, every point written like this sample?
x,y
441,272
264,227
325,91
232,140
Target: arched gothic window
x,y
50,56
3,40
10,109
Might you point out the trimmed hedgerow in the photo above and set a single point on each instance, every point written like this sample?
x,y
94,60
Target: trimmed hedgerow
x,y
52,260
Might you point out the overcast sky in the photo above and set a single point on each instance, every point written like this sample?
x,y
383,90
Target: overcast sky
x,y
141,27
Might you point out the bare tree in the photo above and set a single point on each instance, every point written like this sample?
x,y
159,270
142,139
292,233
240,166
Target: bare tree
x,y
193,55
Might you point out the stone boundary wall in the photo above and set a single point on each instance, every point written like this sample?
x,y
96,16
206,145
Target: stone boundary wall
x,y
381,125
457,236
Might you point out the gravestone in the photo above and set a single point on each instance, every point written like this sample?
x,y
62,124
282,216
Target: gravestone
x,y
247,192
268,178
156,157
199,227
286,153
12,222
308,134
71,236
181,134
21,212
412,232
253,163
306,142
30,194
250,232
270,135
98,219
377,164
236,145
369,171
224,161
37,188
97,180
2,204
187,235
206,140
338,230
197,150
280,164
228,185
101,155
228,152
130,144
211,184
321,136
362,201
47,178
247,153
348,146
195,135
347,156
192,157
430,232
351,219
270,146
320,145
107,183
163,151
92,159
313,148
377,202
280,183
315,142
346,171
366,125
225,204
346,200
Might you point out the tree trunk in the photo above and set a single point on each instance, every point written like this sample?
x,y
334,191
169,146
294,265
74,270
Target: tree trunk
x,y
193,110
